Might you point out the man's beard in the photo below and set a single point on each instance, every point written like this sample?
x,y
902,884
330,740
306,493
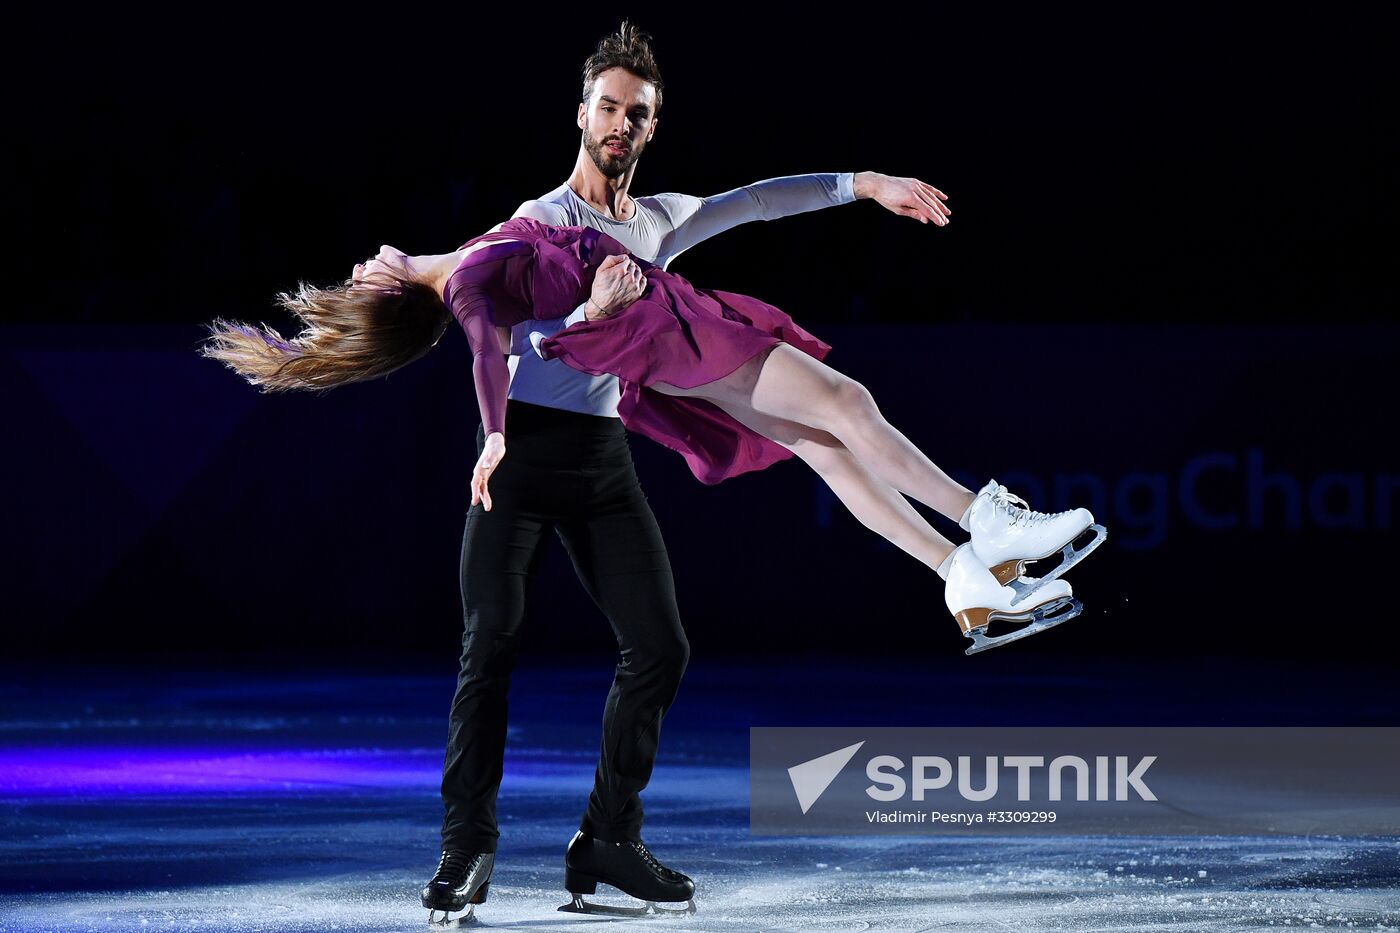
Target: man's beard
x,y
612,166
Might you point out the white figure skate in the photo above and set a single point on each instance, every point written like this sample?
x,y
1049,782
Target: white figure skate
x,y
976,600
1007,535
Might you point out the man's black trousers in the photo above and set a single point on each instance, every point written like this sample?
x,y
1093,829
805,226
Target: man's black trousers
x,y
572,474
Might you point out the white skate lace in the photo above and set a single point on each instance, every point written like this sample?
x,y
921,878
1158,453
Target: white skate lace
x,y
1020,510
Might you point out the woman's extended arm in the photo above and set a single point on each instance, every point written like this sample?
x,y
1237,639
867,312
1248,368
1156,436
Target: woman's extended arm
x,y
468,299
492,379
472,308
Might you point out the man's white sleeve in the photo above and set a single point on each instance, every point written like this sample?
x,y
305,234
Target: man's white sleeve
x,y
543,211
694,220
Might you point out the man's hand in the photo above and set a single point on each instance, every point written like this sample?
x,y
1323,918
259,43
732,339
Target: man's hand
x,y
619,282
491,456
907,197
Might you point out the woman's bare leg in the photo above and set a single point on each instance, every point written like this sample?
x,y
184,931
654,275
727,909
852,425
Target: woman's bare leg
x,y
788,385
877,505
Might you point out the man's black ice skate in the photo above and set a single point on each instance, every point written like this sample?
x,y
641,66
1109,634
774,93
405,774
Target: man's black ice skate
x,y
462,880
627,866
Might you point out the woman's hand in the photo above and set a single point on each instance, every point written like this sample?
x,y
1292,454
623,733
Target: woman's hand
x,y
486,464
618,283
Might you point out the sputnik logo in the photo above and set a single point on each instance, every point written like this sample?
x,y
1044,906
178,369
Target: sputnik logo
x,y
811,778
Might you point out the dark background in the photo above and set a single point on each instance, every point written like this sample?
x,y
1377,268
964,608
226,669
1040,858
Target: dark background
x,y
1168,293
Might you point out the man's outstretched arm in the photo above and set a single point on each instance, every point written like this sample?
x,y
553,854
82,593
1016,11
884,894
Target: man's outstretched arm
x,y
697,219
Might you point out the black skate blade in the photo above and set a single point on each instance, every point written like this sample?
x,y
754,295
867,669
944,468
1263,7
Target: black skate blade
x,y
579,906
651,908
1044,617
689,908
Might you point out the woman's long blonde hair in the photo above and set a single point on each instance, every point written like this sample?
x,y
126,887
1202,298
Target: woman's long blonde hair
x,y
348,335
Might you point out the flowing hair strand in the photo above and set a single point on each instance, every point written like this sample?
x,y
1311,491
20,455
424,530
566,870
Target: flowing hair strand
x,y
348,335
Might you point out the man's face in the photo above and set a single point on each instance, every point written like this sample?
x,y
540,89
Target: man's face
x,y
618,120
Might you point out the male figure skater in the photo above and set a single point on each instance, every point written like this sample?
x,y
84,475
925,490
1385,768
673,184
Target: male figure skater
x,y
569,470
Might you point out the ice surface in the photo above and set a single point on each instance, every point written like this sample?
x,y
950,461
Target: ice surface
x,y
310,884
308,806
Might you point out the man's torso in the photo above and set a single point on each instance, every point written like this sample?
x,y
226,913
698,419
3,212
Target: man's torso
x,y
549,382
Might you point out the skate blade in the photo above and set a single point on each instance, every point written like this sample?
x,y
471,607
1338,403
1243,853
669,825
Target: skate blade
x,y
579,906
1070,556
445,923
1041,619
689,908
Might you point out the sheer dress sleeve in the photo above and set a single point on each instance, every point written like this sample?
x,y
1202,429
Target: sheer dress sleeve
x,y
482,295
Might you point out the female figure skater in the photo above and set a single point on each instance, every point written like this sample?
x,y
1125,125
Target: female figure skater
x,y
729,382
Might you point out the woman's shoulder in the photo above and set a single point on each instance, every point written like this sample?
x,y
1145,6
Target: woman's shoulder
x,y
547,246
488,248
483,262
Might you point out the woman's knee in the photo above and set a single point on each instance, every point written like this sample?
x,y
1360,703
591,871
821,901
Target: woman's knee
x,y
849,405
853,394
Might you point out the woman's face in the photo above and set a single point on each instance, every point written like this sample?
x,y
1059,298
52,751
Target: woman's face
x,y
386,269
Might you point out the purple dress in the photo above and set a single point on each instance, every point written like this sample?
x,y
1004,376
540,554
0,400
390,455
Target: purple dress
x,y
675,333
